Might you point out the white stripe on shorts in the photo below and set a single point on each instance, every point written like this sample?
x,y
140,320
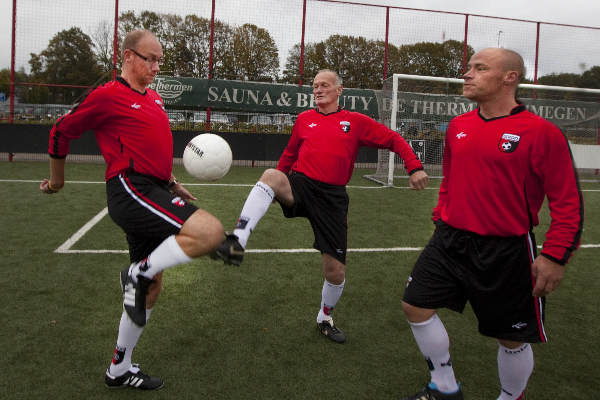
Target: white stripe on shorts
x,y
148,206
537,299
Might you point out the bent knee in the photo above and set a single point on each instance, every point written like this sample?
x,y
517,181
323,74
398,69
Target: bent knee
x,y
416,314
273,177
203,233
212,233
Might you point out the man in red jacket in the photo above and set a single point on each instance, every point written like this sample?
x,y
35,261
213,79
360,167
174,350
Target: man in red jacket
x,y
310,181
500,161
163,229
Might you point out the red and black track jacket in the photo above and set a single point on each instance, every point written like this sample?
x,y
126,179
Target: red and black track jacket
x,y
132,130
324,146
497,173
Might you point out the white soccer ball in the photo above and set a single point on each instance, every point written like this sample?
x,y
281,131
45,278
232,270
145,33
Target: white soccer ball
x,y
207,157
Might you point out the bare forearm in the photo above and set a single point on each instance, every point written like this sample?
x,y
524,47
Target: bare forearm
x,y
57,172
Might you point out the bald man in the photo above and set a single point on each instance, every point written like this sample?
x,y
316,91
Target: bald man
x,y
163,228
500,161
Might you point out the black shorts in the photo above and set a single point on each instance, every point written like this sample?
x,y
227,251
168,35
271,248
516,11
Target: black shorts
x,y
326,207
493,273
146,210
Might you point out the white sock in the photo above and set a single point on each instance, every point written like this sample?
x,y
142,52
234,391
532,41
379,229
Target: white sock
x,y
129,334
433,341
514,369
329,297
256,205
166,255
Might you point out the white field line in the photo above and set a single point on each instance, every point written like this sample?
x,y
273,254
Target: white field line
x,y
65,248
243,184
197,184
289,251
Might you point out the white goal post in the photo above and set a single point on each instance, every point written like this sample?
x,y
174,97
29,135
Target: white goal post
x,y
420,107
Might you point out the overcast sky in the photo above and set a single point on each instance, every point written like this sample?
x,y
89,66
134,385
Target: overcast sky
x,y
561,49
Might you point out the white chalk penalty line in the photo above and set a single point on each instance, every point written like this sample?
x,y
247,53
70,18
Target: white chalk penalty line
x,y
65,248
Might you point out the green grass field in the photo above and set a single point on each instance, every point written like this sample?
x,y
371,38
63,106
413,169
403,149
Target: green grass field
x,y
222,332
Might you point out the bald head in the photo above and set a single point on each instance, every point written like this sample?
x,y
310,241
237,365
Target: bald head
x,y
133,38
510,60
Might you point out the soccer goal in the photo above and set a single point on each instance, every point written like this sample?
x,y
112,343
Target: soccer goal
x,y
420,107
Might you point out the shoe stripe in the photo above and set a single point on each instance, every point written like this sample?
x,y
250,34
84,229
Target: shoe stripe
x,y
133,381
129,300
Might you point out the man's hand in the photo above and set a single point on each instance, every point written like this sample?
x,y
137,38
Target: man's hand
x,y
548,275
182,192
418,180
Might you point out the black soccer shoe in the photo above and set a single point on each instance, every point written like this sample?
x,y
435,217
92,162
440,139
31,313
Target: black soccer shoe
x,y
331,332
230,250
134,296
431,393
136,380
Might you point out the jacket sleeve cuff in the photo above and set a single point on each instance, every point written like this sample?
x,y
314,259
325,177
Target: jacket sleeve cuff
x,y
415,170
554,259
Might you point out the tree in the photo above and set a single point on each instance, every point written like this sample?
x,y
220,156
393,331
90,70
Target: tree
x,y
588,79
591,78
245,52
254,55
358,61
313,61
191,47
562,79
431,59
223,57
68,59
128,22
103,38
20,76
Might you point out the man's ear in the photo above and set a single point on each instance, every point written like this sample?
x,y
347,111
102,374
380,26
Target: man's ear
x,y
511,78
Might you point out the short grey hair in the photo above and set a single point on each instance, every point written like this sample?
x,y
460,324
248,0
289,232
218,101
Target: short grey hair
x,y
338,80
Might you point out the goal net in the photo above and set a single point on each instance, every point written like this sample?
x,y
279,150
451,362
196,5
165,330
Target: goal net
x,y
420,107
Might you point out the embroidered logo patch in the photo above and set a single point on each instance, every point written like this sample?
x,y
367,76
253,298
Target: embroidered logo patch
x,y
508,142
345,126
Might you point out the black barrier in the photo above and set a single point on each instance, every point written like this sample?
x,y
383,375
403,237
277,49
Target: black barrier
x,y
245,146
